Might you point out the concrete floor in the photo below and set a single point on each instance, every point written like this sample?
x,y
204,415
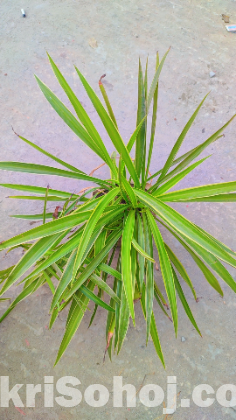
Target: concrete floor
x,y
124,30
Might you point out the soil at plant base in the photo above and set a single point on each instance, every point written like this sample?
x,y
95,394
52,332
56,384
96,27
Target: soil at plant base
x,y
108,37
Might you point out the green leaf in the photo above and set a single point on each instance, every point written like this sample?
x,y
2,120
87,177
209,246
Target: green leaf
x,y
221,245
33,197
156,340
123,320
180,269
126,260
35,252
73,242
109,270
90,226
140,149
32,216
48,170
50,228
107,102
45,205
61,162
155,80
82,114
40,190
74,321
49,282
141,251
184,302
134,135
149,275
104,286
194,153
177,178
185,159
160,295
64,280
153,330
25,292
69,118
141,242
165,269
129,191
161,304
219,198
53,317
199,192
95,299
212,261
111,241
110,128
205,270
179,141
153,126
184,226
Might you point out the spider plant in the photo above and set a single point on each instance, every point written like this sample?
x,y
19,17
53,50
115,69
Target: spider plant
x,y
116,220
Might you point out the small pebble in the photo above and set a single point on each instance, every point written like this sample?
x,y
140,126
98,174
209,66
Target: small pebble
x,y
212,74
183,339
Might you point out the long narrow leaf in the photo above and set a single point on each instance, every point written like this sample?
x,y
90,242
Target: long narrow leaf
x,y
56,159
185,227
179,266
82,114
184,302
68,118
89,228
126,260
149,275
177,178
180,140
110,128
165,269
48,170
50,228
35,252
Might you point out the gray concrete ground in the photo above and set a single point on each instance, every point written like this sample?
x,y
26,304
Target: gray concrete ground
x,y
124,30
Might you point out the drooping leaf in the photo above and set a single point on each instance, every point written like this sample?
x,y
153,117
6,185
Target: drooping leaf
x,y
179,266
126,260
35,252
141,251
149,274
74,320
95,299
165,269
184,302
123,320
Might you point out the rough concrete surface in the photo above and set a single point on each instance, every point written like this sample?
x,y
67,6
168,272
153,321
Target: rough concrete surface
x,y
123,30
